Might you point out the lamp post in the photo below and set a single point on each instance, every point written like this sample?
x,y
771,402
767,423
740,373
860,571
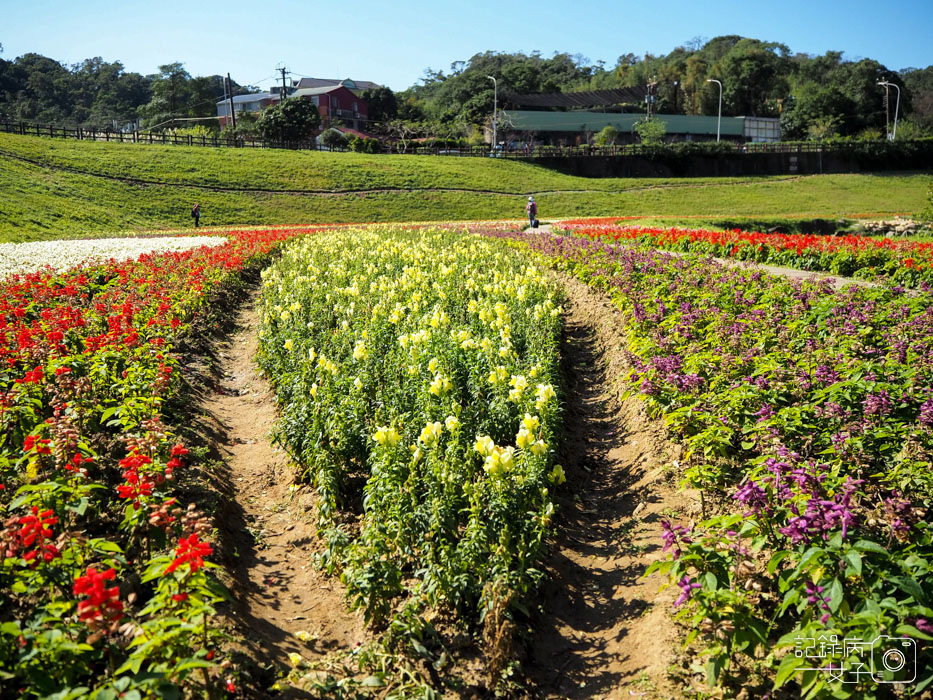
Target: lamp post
x,y
495,109
719,118
897,104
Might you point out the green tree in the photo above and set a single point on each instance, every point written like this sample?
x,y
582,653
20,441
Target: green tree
x,y
754,77
295,119
651,132
382,104
919,85
42,90
609,136
169,95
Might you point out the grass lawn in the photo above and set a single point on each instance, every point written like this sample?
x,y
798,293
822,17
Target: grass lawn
x,y
58,189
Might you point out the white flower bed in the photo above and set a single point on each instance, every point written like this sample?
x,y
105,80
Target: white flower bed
x,y
63,254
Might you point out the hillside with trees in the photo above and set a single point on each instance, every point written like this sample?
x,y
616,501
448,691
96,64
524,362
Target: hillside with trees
x,y
816,97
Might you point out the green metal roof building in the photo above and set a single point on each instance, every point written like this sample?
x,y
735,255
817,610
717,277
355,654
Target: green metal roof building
x,y
564,126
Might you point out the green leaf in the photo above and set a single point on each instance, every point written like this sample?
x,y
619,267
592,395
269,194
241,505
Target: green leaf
x,y
912,631
789,665
193,663
854,560
921,686
776,560
835,594
108,413
869,546
909,585
372,682
808,556
713,669
80,507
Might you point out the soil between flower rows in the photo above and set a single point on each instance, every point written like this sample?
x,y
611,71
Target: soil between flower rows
x,y
602,628
602,631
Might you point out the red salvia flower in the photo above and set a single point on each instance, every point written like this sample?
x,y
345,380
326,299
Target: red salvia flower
x,y
103,604
34,532
191,552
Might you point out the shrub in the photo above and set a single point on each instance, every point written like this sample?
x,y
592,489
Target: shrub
x,y
332,138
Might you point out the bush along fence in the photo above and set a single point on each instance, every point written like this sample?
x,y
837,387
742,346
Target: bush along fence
x,y
803,157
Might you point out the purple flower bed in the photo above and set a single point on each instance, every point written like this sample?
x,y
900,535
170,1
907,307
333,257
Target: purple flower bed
x,y
808,414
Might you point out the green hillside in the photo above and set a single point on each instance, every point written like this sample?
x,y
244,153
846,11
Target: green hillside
x,y
56,189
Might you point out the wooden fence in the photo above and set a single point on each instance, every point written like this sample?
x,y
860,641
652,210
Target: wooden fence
x,y
409,147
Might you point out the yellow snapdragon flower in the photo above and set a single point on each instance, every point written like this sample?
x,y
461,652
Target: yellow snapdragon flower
x,y
387,436
484,445
524,438
557,475
431,433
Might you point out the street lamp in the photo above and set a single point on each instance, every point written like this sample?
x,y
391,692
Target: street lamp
x,y
495,107
897,104
719,118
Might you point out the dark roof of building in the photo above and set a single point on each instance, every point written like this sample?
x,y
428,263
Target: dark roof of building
x,y
346,82
322,90
251,97
593,98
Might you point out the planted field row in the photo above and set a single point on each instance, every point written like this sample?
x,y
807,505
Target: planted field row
x,y
417,371
808,420
892,261
20,258
103,567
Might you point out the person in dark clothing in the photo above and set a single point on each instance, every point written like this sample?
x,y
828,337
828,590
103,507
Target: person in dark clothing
x,y
196,214
532,209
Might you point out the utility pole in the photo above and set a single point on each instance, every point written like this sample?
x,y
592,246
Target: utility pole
x,y
282,69
649,98
232,113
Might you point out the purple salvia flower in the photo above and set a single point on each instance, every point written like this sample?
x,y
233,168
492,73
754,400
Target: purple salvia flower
x,y
687,587
877,404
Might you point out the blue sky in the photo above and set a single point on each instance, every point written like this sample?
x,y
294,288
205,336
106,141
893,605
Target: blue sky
x,y
393,43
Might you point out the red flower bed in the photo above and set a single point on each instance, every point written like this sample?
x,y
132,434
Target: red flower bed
x,y
104,573
909,263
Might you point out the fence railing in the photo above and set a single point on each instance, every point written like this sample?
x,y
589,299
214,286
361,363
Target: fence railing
x,y
411,146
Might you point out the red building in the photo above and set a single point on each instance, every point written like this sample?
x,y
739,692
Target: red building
x,y
334,103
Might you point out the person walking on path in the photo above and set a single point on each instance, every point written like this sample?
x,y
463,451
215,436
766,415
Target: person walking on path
x,y
532,209
196,214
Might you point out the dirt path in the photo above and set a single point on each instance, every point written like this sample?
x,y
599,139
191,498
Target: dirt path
x,y
268,524
606,632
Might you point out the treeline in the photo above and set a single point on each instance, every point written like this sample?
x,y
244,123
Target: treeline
x,y
101,95
814,96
